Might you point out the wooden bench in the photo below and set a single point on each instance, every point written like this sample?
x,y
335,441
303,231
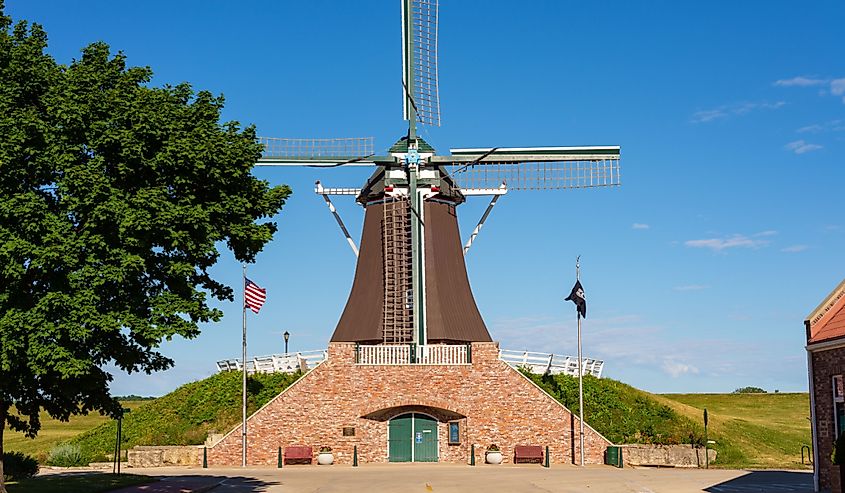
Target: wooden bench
x,y
527,453
298,453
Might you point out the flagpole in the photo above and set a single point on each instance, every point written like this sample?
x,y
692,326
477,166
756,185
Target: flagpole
x,y
580,372
243,367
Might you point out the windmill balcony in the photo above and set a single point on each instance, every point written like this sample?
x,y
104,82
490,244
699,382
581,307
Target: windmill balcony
x,y
413,354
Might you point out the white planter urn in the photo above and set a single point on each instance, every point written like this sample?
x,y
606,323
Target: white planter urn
x,y
325,458
494,457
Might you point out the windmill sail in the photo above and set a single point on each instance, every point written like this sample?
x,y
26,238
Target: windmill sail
x,y
421,94
316,152
533,168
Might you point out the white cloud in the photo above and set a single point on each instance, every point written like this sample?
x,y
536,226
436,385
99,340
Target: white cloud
x,y
639,226
676,368
837,88
794,248
738,109
800,146
800,81
708,116
829,126
815,128
733,241
691,287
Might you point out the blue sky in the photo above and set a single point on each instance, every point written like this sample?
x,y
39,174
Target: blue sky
x,y
699,270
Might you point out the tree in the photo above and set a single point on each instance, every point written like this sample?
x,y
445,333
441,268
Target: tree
x,y
749,390
114,197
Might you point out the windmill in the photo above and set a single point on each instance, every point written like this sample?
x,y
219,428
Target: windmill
x,y
410,285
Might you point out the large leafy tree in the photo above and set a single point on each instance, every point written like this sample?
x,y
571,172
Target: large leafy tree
x,y
114,196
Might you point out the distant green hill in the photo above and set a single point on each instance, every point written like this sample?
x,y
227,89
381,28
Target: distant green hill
x,y
186,415
751,430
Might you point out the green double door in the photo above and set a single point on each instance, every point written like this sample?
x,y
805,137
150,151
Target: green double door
x,y
412,437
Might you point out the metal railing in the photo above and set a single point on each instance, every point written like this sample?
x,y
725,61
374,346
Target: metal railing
x,y
551,363
410,354
276,363
396,354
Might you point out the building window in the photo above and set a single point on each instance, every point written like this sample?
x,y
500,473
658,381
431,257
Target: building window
x,y
454,432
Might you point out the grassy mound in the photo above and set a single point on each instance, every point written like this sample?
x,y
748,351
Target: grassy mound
x,y
752,430
622,413
186,415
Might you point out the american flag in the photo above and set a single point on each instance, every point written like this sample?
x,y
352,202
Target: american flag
x,y
254,296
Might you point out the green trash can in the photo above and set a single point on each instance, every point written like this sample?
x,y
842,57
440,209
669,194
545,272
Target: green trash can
x,y
613,456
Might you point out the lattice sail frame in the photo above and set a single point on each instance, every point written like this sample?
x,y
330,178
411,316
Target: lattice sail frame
x,y
538,168
419,60
275,147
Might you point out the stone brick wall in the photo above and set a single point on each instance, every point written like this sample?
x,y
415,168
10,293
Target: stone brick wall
x,y
825,365
160,456
493,402
666,455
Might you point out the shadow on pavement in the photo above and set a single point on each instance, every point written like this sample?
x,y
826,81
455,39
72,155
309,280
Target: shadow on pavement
x,y
200,483
767,481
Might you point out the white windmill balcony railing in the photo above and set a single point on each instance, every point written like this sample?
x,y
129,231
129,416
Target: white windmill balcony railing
x,y
551,363
432,354
276,363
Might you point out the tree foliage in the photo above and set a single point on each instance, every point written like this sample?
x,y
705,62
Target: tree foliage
x,y
114,196
750,390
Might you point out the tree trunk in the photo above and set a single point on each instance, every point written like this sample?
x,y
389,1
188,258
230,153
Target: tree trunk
x,y
3,412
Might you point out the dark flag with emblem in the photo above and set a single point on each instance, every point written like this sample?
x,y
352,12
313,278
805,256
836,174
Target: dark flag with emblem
x,y
577,297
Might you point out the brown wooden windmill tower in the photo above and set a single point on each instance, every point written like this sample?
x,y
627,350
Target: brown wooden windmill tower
x,y
410,285
411,363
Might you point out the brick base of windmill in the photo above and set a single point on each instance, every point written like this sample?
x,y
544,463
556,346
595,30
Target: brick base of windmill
x,y
417,412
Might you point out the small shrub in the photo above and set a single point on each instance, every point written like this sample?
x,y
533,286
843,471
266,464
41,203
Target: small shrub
x,y
67,455
17,466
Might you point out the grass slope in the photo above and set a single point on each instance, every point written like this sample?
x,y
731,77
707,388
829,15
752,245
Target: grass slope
x,y
54,431
751,430
622,413
186,415
182,417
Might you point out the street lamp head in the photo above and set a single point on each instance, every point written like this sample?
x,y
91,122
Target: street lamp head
x,y
286,335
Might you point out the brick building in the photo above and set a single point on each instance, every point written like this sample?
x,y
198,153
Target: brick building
x,y
426,412
825,328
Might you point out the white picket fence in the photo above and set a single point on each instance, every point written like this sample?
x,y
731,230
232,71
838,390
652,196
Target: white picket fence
x,y
434,354
551,363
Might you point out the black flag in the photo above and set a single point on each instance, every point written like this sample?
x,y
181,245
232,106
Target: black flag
x,y
577,297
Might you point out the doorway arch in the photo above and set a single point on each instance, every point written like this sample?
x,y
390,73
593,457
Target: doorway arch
x,y
412,437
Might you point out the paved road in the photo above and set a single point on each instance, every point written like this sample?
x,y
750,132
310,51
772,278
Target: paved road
x,y
446,478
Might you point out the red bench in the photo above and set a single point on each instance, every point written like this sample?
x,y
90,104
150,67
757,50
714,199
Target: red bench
x,y
527,453
298,453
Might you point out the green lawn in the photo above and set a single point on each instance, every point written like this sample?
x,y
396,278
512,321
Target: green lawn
x,y
752,430
53,431
78,483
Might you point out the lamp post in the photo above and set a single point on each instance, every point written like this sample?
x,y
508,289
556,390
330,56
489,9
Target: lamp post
x,y
287,337
116,465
